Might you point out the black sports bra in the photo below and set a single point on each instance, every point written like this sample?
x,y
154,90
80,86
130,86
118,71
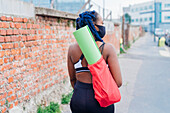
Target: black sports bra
x,y
78,66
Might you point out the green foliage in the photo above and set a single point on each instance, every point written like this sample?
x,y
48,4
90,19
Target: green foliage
x,y
135,39
64,81
66,98
6,103
74,24
59,20
128,18
127,46
121,50
52,108
23,108
68,23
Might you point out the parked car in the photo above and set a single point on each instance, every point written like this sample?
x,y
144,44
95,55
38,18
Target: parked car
x,y
167,31
167,41
159,33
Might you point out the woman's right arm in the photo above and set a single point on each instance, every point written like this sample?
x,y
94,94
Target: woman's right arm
x,y
114,64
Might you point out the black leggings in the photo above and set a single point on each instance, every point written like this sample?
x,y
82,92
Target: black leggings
x,y
83,100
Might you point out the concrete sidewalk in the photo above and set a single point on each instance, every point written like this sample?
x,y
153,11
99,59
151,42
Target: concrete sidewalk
x,y
146,78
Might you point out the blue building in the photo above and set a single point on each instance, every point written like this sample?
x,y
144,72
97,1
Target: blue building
x,y
40,3
71,6
150,15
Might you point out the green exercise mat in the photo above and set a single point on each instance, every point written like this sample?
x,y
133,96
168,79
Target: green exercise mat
x,y
87,44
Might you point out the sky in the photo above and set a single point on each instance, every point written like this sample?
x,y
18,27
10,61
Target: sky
x,y
117,5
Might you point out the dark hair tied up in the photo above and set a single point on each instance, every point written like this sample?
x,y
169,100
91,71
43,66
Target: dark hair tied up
x,y
87,18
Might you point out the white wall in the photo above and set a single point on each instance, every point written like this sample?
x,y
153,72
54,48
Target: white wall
x,y
163,4
17,8
164,14
141,9
136,14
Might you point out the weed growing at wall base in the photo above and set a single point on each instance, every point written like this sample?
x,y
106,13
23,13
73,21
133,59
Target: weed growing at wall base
x,y
52,108
126,47
66,98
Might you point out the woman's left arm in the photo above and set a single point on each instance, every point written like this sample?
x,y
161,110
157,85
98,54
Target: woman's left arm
x,y
71,69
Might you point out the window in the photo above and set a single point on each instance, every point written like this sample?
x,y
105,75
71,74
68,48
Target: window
x,y
167,17
150,18
132,10
136,20
141,9
146,8
150,7
136,9
133,20
167,5
141,20
146,19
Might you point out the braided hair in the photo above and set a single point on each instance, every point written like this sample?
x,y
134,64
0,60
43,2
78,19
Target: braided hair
x,y
87,18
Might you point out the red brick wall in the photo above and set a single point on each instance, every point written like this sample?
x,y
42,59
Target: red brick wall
x,y
32,56
113,37
134,33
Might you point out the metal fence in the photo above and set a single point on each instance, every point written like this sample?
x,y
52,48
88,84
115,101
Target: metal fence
x,y
104,12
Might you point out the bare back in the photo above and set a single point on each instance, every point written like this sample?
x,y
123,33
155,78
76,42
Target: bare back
x,y
85,77
110,56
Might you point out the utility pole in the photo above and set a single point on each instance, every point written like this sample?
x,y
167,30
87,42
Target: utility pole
x,y
52,4
123,29
103,9
84,6
89,5
110,15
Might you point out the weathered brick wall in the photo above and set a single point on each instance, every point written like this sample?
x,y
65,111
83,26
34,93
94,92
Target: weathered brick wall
x,y
32,56
113,37
134,33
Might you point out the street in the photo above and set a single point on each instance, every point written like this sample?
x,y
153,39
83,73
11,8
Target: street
x,y
146,78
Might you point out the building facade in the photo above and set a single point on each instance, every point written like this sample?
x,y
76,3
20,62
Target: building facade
x,y
40,3
150,15
71,6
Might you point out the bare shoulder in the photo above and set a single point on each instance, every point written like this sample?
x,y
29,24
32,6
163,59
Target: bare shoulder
x,y
72,48
109,47
110,50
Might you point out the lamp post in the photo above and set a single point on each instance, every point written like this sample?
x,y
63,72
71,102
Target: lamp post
x,y
155,19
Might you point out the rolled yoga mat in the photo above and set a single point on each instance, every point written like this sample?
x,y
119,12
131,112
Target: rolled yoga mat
x,y
87,44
